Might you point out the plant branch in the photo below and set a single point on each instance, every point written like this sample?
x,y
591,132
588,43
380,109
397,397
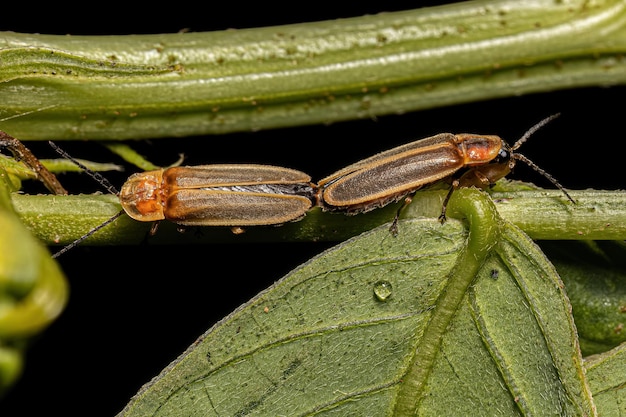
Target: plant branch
x,y
149,86
541,214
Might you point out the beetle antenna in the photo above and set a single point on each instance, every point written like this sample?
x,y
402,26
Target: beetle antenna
x,y
530,163
93,174
532,130
102,181
86,235
549,177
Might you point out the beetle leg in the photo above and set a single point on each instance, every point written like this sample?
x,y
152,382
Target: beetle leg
x,y
154,228
454,186
236,230
394,224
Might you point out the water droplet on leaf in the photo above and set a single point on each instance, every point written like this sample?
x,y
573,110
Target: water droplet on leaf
x,y
382,290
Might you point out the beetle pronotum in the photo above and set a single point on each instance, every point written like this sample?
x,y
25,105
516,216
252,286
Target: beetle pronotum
x,y
467,159
232,195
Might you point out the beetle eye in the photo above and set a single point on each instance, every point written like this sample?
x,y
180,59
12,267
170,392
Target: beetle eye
x,y
504,155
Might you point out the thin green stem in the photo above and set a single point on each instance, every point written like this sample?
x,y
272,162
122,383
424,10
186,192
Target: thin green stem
x,y
543,214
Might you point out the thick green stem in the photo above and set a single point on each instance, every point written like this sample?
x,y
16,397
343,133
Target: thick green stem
x,y
148,86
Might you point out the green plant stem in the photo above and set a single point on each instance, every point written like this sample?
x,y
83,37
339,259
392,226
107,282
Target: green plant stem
x,y
149,86
541,214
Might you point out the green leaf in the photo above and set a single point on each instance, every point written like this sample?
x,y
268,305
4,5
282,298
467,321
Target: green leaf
x,y
605,373
20,171
33,289
439,320
594,275
130,155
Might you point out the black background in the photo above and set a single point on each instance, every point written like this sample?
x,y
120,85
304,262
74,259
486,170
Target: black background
x,y
135,309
